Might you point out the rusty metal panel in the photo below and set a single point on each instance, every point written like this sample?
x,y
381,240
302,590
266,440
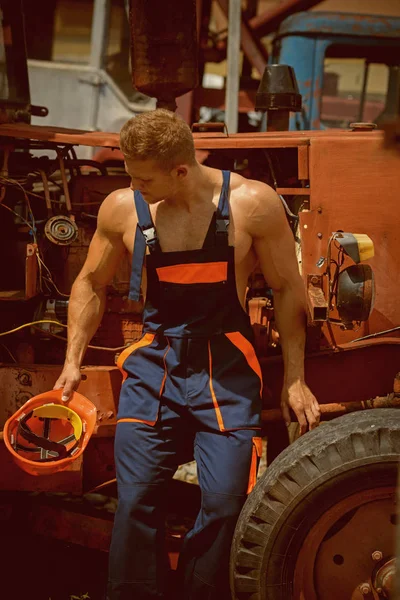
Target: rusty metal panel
x,y
358,192
164,47
100,384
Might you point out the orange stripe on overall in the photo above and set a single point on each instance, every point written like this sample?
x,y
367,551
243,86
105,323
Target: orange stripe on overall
x,y
213,272
248,352
146,340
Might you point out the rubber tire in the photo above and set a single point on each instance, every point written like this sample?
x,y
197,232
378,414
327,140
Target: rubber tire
x,y
355,452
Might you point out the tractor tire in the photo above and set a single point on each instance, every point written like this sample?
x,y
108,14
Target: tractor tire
x,y
317,517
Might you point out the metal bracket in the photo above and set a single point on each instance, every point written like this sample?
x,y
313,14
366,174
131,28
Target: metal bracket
x,y
316,301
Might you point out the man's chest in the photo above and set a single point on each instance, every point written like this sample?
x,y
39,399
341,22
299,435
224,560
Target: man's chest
x,y
179,232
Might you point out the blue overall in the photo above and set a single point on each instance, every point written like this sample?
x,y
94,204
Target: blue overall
x,y
193,380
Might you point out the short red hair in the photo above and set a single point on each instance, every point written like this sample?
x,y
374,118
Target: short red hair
x,y
158,135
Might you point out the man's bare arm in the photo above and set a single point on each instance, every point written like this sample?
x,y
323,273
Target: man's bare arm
x,y
274,245
88,293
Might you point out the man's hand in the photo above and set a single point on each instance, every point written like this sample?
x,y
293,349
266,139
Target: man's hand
x,y
301,400
68,380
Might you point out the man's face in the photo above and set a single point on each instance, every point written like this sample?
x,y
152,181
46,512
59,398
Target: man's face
x,y
152,182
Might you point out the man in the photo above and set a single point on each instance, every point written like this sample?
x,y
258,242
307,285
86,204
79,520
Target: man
x,y
193,379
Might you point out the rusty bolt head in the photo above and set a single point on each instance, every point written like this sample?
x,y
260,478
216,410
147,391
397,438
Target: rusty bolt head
x,y
314,279
377,555
25,379
364,588
319,210
319,236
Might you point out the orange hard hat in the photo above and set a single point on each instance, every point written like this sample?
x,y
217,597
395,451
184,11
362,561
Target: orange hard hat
x,y
46,434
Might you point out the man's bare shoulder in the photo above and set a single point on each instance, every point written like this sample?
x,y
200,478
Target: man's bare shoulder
x,y
116,211
257,203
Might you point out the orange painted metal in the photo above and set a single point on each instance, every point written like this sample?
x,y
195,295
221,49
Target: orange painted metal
x,y
357,193
317,576
302,163
293,191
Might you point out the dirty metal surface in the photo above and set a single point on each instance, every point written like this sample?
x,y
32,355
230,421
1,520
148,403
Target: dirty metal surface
x,y
336,558
100,384
164,48
341,200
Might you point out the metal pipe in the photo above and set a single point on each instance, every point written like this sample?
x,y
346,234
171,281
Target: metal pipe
x,y
252,47
233,66
99,35
98,46
331,411
269,20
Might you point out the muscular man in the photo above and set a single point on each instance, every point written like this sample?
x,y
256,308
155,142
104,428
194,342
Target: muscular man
x,y
193,380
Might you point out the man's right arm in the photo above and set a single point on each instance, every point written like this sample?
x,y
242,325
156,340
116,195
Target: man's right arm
x,y
88,293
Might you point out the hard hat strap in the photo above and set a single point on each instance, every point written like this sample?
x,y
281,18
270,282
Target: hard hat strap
x,y
42,442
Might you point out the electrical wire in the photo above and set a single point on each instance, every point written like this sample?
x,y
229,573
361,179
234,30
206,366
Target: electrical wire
x,y
22,219
2,333
9,352
33,323
374,335
50,277
17,183
59,337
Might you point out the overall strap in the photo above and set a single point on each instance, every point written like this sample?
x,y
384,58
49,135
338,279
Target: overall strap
x,y
145,222
145,235
222,221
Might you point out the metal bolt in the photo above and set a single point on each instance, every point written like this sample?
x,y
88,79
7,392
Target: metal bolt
x,y
319,210
364,588
25,379
377,555
319,235
314,279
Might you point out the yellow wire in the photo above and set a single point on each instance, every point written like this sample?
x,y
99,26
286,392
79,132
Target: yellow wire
x,y
33,323
30,324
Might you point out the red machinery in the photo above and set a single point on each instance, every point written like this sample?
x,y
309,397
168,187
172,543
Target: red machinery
x,y
312,505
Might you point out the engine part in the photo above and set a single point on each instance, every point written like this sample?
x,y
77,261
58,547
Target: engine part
x,y
61,230
355,295
278,94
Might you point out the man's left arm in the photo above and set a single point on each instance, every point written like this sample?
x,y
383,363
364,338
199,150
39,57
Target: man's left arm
x,y
275,248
